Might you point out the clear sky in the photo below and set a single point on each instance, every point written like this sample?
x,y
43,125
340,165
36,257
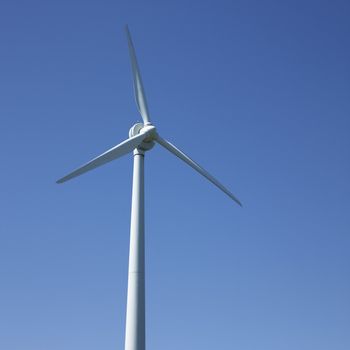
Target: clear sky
x,y
258,92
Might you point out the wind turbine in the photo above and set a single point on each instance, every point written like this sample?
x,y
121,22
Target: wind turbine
x,y
142,137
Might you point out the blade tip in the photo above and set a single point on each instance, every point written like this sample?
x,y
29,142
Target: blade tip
x,y
127,31
237,201
61,180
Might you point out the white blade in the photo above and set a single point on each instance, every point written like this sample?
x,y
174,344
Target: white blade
x,y
117,151
138,86
195,166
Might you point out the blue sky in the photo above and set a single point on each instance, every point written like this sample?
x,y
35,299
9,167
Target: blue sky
x,y
258,93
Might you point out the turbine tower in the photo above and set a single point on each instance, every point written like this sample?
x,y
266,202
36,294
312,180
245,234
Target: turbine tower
x,y
142,137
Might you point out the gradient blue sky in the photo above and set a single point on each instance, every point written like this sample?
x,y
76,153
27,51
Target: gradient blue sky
x,y
255,91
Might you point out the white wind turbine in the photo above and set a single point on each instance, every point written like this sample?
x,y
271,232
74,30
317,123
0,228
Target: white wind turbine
x,y
142,137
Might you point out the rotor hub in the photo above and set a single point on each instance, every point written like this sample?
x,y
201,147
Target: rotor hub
x,y
135,129
139,128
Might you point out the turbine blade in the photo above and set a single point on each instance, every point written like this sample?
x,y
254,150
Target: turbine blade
x,y
115,152
140,96
170,147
